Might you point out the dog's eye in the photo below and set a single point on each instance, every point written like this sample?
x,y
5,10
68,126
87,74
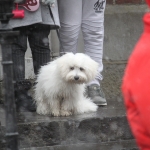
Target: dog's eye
x,y
71,68
81,69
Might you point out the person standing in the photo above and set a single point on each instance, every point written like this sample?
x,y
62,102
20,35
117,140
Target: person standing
x,y
35,26
136,87
87,15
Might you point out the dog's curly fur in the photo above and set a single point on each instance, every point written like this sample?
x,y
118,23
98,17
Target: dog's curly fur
x,y
61,85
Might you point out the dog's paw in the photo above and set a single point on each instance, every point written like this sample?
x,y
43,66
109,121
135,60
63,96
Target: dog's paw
x,y
42,111
65,113
55,113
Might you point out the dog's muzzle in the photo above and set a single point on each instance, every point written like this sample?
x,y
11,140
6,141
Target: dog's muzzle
x,y
76,77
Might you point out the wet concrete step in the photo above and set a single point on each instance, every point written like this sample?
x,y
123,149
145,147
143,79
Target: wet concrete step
x,y
120,145
108,124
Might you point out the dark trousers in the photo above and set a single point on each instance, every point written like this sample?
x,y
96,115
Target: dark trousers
x,y
37,36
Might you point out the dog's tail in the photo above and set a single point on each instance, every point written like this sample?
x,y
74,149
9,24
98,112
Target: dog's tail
x,y
85,105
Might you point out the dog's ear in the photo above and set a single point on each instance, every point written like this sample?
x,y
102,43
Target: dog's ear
x,y
64,62
91,68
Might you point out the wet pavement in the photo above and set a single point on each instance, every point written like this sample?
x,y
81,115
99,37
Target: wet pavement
x,y
113,109
107,128
121,145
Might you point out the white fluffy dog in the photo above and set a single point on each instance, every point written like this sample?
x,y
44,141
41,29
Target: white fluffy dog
x,y
61,85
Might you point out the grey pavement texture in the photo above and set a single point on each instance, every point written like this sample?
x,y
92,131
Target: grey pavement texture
x,y
108,124
123,27
120,145
112,80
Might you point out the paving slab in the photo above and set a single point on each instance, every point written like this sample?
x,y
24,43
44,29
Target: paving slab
x,y
120,145
106,125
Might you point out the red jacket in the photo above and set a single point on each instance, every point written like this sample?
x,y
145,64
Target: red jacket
x,y
136,88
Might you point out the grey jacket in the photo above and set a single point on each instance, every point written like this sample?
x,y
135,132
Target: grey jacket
x,y
42,15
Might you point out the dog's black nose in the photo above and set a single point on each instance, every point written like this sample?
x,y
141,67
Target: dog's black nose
x,y
76,77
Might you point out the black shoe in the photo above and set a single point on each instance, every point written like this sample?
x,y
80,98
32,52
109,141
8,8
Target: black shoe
x,y
96,94
24,101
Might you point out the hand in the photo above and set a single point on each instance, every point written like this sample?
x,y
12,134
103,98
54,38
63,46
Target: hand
x,y
49,2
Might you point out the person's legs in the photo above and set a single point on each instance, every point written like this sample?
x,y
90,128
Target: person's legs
x,y
93,33
70,12
19,48
39,44
21,86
